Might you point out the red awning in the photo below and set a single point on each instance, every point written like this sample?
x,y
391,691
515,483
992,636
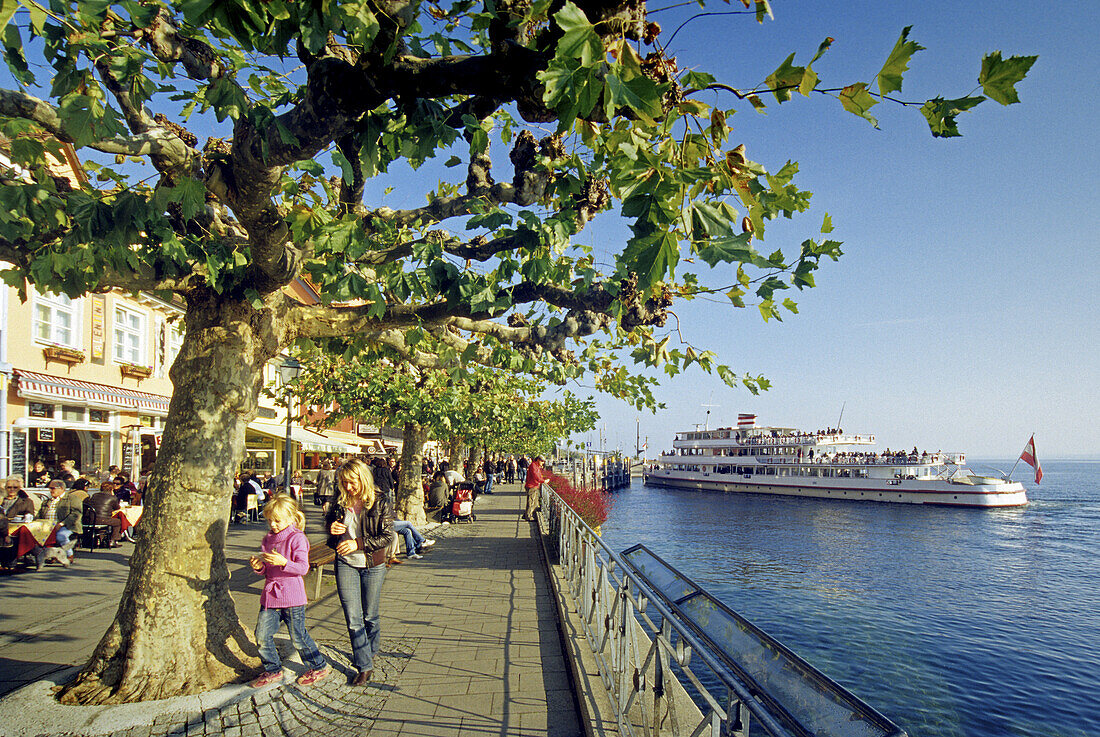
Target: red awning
x,y
35,386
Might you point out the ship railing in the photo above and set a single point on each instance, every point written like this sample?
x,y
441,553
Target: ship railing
x,y
930,460
675,661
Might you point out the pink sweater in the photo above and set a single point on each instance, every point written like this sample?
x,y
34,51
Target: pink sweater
x,y
283,586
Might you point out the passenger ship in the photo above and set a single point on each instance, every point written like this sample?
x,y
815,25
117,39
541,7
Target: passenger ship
x,y
826,464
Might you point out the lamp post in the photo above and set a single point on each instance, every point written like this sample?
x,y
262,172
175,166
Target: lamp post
x,y
288,372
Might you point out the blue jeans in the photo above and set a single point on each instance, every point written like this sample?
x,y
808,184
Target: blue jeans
x,y
63,537
413,538
360,591
267,624
489,483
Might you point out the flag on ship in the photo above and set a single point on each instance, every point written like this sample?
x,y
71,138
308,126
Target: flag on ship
x,y
744,420
1028,457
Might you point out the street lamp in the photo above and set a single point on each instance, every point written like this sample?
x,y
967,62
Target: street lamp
x,y
288,372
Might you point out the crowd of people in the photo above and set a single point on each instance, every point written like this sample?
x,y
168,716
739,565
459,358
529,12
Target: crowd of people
x,y
357,498
70,502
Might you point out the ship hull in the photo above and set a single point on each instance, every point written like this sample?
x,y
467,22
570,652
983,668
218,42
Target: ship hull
x,y
896,491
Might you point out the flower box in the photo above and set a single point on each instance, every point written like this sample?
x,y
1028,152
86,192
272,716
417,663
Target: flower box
x,y
135,371
63,354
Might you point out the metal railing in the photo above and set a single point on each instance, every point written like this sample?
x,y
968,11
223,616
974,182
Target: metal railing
x,y
641,639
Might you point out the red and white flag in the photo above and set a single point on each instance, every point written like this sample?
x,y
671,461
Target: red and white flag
x,y
1028,457
746,420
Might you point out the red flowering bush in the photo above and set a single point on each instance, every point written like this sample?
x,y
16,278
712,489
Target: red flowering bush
x,y
592,505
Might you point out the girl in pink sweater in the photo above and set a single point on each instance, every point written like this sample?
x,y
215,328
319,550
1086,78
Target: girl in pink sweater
x,y
283,561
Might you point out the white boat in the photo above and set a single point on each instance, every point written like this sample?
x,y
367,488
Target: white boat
x,y
827,464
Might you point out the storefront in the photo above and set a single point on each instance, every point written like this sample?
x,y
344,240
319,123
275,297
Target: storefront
x,y
57,419
265,443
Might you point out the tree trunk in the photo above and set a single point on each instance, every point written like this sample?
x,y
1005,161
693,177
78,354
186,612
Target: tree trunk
x,y
454,453
410,492
176,631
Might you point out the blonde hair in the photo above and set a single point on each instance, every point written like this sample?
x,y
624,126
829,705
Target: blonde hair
x,y
286,509
367,489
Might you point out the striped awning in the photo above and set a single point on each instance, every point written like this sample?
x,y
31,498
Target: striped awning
x,y
33,385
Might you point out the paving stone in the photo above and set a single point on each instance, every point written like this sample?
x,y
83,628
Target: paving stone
x,y
469,647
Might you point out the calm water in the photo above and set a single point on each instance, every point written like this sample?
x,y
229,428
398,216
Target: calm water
x,y
963,622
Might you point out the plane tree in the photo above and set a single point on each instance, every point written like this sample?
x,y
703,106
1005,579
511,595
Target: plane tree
x,y
480,406
230,144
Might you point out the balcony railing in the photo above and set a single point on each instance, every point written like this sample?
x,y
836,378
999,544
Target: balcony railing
x,y
675,661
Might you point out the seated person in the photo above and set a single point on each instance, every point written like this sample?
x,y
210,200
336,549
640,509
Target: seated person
x,y
414,541
65,510
12,487
22,508
439,491
39,476
125,487
68,472
104,504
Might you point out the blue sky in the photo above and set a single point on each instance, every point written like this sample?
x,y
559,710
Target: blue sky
x,y
963,315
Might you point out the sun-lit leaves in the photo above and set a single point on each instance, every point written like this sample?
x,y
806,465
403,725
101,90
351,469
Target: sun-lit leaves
x,y
942,115
890,76
857,100
999,77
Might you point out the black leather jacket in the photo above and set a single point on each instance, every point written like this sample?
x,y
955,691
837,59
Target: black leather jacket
x,y
375,525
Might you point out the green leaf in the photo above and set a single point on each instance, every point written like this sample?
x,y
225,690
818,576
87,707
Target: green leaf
x,y
941,114
827,224
857,100
579,39
711,219
785,78
7,10
639,94
889,77
790,305
999,77
731,250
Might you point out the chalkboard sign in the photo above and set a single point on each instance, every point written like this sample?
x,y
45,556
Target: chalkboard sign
x,y
128,457
19,454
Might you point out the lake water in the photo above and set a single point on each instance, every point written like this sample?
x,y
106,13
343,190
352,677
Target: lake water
x,y
951,622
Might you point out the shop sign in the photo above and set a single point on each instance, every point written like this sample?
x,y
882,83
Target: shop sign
x,y
38,409
99,326
45,434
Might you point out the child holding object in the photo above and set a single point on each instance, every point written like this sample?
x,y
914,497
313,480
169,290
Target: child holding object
x,y
283,561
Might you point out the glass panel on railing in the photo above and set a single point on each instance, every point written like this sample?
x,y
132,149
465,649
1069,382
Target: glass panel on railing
x,y
813,703
664,577
790,688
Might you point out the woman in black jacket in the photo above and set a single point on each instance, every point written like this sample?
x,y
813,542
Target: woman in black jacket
x,y
360,525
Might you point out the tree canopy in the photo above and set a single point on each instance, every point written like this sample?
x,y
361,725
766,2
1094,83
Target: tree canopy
x,y
230,144
297,105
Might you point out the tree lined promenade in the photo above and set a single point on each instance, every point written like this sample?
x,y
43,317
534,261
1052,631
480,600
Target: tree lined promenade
x,y
470,644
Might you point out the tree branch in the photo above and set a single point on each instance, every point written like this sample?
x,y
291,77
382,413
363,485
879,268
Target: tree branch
x,y
156,142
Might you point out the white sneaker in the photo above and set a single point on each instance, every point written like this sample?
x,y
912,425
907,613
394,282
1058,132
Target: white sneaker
x,y
427,544
415,556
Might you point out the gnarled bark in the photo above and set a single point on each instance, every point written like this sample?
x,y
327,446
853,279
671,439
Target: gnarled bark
x,y
176,631
410,491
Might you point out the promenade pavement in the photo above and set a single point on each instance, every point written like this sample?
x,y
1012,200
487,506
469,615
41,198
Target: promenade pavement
x,y
470,646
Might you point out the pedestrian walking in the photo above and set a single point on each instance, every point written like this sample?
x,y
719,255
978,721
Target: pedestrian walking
x,y
283,560
360,525
532,482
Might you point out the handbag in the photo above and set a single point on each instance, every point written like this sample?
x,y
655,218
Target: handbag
x,y
377,557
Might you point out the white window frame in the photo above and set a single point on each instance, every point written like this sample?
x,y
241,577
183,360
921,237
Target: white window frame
x,y
54,303
173,341
141,332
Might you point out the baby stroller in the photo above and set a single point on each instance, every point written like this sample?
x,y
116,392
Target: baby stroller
x,y
461,507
